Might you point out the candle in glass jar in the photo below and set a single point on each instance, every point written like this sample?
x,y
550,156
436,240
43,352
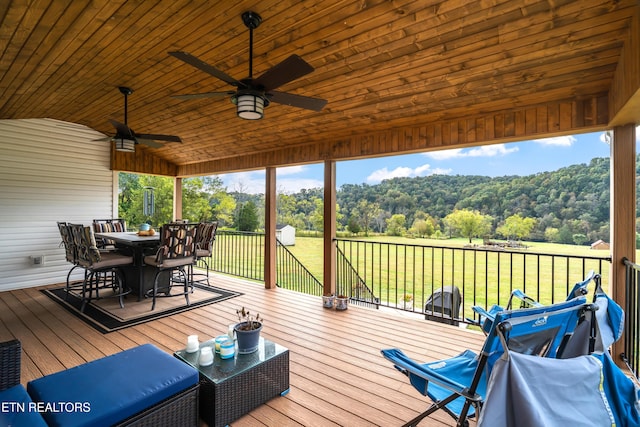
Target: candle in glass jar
x,y
219,340
206,356
192,344
227,349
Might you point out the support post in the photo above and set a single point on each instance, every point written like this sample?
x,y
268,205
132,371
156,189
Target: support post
x,y
623,214
329,234
270,214
177,198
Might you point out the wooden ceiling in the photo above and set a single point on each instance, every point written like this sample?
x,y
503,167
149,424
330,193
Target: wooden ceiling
x,y
401,66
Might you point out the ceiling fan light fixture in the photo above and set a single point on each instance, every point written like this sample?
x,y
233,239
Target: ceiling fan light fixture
x,y
124,144
250,106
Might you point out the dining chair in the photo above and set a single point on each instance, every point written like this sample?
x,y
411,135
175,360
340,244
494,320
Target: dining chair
x,y
108,226
102,269
70,251
175,254
205,236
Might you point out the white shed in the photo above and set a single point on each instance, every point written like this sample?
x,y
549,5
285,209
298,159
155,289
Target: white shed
x,y
286,234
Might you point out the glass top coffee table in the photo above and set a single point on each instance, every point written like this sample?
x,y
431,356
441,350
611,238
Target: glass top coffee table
x,y
230,388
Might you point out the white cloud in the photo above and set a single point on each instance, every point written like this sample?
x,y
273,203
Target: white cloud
x,y
483,151
441,171
254,182
290,170
563,141
294,185
491,151
445,154
404,172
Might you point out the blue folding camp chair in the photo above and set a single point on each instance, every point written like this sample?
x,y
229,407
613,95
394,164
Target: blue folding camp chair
x,y
485,317
458,385
585,387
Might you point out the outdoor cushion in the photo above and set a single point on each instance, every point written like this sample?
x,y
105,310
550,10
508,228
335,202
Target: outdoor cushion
x,y
111,389
18,410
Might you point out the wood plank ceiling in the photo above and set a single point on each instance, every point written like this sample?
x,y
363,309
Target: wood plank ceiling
x,y
407,66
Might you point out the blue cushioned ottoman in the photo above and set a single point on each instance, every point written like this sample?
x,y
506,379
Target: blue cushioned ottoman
x,y
18,410
107,391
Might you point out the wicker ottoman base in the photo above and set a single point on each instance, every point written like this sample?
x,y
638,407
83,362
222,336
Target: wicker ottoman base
x,y
231,388
222,403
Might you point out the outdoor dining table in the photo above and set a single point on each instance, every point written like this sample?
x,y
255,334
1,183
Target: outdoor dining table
x,y
139,277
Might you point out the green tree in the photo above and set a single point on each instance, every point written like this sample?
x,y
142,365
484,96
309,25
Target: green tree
x,y
223,206
353,225
551,234
132,189
468,223
248,217
580,239
516,227
317,215
396,225
365,211
195,200
422,228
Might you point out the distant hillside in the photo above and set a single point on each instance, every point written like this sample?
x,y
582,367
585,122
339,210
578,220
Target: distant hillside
x,y
573,200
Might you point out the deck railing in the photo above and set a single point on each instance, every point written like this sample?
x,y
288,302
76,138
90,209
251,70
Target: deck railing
x,y
381,274
292,274
410,277
631,353
242,254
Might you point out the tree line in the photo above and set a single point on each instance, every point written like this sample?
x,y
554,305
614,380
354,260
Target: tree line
x,y
569,205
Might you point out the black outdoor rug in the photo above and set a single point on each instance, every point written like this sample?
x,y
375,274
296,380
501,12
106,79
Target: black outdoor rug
x,y
106,316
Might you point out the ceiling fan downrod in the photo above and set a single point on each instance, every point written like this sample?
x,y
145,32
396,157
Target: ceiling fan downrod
x,y
126,91
252,21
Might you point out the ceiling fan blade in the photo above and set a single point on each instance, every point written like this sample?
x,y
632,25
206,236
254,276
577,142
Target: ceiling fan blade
x,y
149,142
288,70
203,66
103,139
203,95
122,129
155,137
315,104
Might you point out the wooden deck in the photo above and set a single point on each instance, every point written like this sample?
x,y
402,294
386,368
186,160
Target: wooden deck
x,y
338,376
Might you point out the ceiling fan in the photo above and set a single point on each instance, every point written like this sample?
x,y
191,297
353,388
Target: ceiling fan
x,y
254,94
126,139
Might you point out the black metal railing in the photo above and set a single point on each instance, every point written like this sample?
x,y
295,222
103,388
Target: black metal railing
x,y
410,277
239,253
292,274
242,254
631,353
350,284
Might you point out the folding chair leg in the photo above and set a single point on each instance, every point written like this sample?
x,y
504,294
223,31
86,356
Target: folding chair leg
x,y
442,404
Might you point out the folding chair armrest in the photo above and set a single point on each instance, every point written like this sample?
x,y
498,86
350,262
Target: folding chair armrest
x,y
409,366
526,300
481,312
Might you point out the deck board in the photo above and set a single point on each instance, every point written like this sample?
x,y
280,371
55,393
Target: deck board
x,y
337,375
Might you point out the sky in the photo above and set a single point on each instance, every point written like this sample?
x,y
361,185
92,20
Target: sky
x,y
517,158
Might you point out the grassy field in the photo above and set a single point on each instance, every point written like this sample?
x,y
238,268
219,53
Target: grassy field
x,y
402,265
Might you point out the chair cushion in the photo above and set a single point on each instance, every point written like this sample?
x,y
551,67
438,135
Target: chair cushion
x,y
201,253
115,387
18,409
112,259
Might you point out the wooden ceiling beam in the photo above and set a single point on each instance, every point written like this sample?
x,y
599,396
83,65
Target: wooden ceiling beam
x,y
624,96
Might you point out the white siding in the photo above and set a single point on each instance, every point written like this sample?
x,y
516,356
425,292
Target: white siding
x,y
49,171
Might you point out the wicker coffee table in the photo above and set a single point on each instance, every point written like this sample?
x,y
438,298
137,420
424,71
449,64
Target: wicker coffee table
x,y
233,387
